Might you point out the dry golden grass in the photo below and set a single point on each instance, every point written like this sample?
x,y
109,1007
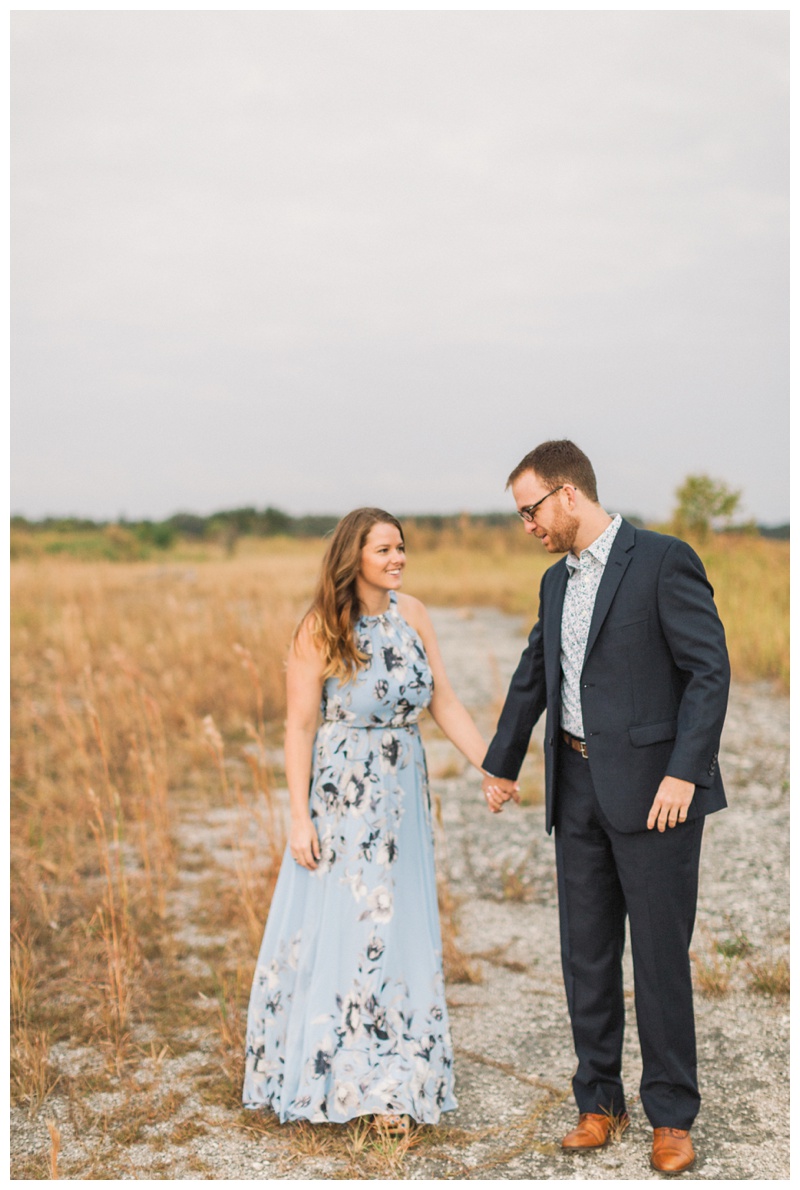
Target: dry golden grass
x,y
120,674
720,959
769,976
515,883
750,576
618,1124
55,1146
713,968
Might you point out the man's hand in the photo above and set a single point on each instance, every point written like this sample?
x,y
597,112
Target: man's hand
x,y
671,803
499,790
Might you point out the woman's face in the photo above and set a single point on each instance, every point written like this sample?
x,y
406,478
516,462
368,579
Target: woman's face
x,y
383,557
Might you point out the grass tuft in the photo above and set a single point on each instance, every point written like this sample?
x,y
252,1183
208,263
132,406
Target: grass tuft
x,y
186,1131
55,1148
618,1124
33,1078
737,947
515,882
769,976
713,968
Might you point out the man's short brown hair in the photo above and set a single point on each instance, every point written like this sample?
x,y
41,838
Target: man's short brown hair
x,y
559,461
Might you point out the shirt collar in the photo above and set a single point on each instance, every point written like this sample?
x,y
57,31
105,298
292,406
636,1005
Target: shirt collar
x,y
600,547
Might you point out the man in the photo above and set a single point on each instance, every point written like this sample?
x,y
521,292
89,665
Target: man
x,y
628,658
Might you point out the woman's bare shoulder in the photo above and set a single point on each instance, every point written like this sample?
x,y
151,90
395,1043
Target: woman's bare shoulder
x,y
413,610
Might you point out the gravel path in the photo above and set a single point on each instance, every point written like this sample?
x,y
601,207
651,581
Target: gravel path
x,y
514,1057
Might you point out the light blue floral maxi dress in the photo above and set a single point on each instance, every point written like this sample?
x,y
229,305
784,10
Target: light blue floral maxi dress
x,y
347,1012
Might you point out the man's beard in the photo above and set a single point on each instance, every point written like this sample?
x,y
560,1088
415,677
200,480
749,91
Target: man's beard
x,y
563,533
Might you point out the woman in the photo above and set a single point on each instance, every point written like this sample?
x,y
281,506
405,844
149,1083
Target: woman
x,y
347,1012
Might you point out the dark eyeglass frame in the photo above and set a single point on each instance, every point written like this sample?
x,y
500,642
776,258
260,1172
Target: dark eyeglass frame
x,y
529,511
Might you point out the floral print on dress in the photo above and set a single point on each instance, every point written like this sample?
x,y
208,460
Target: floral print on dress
x,y
347,1012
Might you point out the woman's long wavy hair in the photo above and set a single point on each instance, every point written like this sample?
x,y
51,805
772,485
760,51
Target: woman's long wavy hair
x,y
335,607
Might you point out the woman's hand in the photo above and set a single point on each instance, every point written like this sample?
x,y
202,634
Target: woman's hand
x,y
303,843
499,790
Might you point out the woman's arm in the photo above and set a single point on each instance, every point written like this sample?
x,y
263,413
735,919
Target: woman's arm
x,y
447,709
303,693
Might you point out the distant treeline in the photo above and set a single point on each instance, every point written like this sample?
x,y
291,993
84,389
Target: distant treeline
x,y
779,532
233,523
243,522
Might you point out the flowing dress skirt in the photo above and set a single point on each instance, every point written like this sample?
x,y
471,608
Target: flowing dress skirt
x,y
347,1012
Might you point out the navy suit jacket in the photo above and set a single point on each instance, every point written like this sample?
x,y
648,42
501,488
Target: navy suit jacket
x,y
654,686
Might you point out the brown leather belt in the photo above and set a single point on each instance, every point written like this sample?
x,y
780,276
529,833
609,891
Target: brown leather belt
x,y
575,743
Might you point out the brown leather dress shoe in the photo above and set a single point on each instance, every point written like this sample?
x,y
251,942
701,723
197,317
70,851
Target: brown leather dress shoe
x,y
672,1150
593,1130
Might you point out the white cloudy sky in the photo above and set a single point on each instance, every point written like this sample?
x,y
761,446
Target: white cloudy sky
x,y
316,259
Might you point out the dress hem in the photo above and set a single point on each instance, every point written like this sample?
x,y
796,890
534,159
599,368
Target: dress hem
x,y
285,1118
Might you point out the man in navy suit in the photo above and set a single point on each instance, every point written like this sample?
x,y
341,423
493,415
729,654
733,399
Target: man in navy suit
x,y
628,659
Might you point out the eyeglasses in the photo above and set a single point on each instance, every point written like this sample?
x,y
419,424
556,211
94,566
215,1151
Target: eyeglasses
x,y
529,512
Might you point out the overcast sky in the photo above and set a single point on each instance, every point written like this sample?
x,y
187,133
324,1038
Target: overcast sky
x,y
317,260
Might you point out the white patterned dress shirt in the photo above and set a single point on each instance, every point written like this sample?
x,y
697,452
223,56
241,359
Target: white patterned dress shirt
x,y
585,573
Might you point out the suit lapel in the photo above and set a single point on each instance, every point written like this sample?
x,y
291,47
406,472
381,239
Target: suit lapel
x,y
617,564
552,626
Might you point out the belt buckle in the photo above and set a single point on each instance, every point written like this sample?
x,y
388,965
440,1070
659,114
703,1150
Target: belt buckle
x,y
582,749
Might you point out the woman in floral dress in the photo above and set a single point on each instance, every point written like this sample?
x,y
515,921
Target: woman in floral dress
x,y
347,1012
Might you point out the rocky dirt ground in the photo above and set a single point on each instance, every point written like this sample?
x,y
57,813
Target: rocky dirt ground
x,y
514,1058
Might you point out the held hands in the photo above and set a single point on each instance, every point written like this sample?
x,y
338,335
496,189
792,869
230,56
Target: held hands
x,y
671,803
499,790
303,843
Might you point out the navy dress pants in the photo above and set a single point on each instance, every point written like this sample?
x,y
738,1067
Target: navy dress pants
x,y
650,877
